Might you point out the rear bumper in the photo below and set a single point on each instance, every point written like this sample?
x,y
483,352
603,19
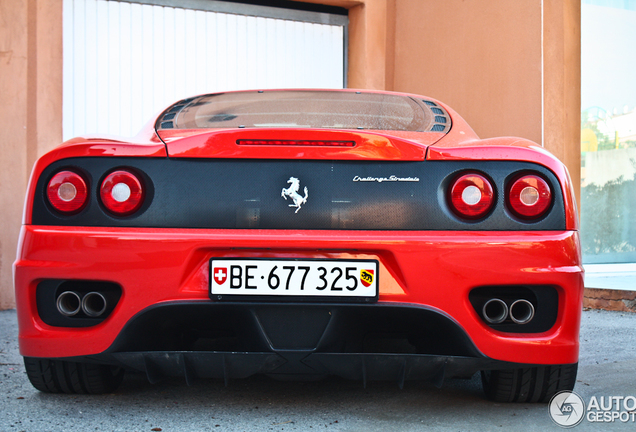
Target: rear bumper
x,y
364,367
427,271
394,342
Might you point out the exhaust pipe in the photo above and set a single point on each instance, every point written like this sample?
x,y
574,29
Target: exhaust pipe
x,y
94,304
68,303
521,311
495,311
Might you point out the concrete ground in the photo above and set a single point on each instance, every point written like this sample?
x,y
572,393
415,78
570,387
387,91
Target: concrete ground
x,y
607,368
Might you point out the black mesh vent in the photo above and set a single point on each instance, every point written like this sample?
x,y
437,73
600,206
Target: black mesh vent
x,y
440,117
166,121
295,194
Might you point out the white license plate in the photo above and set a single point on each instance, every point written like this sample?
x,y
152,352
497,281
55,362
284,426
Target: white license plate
x,y
290,277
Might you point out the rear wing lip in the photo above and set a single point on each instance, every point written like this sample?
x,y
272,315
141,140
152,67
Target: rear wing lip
x,y
369,145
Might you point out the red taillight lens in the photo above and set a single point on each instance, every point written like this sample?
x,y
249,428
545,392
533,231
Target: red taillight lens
x,y
472,196
529,197
310,143
122,193
67,192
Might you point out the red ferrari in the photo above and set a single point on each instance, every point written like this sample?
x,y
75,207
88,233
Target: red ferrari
x,y
301,234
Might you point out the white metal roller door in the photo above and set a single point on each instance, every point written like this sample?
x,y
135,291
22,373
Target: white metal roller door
x,y
124,62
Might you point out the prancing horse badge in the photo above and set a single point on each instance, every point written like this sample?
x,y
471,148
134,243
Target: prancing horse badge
x,y
292,192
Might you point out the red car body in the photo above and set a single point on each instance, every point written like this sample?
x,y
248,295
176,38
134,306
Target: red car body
x,y
437,269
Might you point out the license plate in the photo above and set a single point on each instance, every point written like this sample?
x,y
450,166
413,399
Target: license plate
x,y
292,277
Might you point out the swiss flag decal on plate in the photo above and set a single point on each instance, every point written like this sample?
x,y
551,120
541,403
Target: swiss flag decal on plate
x,y
220,275
366,277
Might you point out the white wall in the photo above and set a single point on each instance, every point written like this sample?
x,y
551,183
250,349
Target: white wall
x,y
125,62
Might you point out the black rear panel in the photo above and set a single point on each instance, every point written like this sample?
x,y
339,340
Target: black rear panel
x,y
340,195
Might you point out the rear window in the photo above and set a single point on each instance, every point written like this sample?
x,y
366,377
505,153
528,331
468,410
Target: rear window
x,y
301,109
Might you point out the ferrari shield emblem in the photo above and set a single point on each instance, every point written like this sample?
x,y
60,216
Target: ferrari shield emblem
x,y
220,275
366,277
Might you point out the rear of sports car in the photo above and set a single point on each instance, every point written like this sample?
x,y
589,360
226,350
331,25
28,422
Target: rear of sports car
x,y
301,234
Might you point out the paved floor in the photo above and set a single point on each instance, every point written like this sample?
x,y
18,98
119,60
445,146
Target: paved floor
x,y
607,368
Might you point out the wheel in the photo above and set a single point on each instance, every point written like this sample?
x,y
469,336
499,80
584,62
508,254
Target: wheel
x,y
59,376
535,384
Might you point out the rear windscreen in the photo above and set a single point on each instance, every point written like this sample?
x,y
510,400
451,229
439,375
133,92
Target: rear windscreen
x,y
302,109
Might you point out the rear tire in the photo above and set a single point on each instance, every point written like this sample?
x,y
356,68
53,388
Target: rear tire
x,y
60,376
535,384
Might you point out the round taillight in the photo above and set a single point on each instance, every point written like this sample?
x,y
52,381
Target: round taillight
x,y
529,197
67,192
472,196
122,193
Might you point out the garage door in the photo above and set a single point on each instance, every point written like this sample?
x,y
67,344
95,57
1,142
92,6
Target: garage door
x,y
125,61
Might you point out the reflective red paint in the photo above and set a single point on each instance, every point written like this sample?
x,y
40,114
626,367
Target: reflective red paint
x,y
432,270
155,266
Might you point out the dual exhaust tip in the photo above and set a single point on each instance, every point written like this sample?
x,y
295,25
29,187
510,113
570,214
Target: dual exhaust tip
x,y
93,304
496,311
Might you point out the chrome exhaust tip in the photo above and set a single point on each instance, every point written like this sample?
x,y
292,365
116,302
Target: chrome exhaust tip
x,y
68,303
94,304
521,311
495,311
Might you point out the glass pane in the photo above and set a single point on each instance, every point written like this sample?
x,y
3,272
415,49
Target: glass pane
x,y
304,109
608,131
